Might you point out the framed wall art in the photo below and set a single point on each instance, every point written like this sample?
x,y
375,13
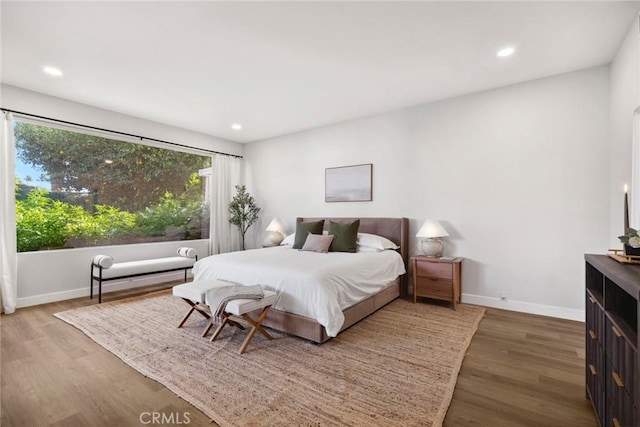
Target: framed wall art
x,y
348,183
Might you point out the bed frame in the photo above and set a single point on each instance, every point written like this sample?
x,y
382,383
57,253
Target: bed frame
x,y
394,229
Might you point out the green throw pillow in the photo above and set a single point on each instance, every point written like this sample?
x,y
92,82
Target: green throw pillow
x,y
346,236
303,229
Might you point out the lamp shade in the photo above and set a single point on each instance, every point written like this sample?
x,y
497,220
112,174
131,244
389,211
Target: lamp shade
x,y
431,229
276,225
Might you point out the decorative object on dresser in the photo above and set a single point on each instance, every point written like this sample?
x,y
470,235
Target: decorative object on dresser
x,y
276,233
626,207
631,242
348,183
612,323
437,278
431,244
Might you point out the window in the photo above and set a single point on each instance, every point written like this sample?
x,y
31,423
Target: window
x,y
77,190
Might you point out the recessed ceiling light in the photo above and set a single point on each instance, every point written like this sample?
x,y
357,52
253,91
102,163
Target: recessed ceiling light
x,y
236,126
52,71
506,51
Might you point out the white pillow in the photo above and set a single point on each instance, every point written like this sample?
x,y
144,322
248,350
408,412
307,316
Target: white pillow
x,y
375,242
361,248
292,238
289,239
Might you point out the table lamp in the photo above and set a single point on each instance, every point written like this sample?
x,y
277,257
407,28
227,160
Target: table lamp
x,y
276,235
431,244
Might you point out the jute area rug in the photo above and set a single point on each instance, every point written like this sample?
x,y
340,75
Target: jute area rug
x,y
398,367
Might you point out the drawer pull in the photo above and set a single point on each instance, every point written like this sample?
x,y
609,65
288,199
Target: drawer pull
x,y
616,331
616,423
617,379
593,335
593,369
592,299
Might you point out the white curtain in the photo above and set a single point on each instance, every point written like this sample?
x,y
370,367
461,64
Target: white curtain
x,y
8,251
225,175
634,203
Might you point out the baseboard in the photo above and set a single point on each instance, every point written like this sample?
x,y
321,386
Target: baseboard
x,y
526,307
116,285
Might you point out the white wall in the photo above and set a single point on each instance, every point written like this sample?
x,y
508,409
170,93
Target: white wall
x,y
27,101
56,275
625,98
519,176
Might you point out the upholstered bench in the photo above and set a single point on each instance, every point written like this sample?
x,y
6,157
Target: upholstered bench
x,y
242,308
104,269
194,293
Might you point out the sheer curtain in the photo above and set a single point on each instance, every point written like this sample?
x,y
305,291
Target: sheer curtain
x,y
634,206
8,251
225,175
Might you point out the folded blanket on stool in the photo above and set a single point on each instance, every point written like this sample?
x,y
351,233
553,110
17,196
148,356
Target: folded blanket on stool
x,y
217,298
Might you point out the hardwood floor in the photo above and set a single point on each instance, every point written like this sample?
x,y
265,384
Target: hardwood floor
x,y
523,370
520,370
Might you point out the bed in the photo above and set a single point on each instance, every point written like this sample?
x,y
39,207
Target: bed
x,y
320,294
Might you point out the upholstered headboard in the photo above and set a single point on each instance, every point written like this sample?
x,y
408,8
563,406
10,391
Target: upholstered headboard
x,y
394,229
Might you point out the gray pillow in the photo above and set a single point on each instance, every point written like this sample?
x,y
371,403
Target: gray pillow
x,y
317,243
303,229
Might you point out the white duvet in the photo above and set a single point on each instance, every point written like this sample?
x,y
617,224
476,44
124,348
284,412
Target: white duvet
x,y
309,284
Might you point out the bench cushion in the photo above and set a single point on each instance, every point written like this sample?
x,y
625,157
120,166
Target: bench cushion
x,y
196,291
241,306
146,266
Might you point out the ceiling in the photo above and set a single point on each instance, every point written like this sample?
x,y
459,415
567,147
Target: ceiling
x,y
282,67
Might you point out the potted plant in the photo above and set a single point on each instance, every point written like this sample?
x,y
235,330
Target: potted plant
x,y
631,241
243,210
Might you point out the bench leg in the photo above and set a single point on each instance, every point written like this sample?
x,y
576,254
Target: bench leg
x,y
220,327
194,306
257,326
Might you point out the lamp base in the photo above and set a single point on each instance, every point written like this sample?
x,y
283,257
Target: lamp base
x,y
432,247
273,238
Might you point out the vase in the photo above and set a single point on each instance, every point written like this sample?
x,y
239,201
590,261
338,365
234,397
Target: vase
x,y
629,251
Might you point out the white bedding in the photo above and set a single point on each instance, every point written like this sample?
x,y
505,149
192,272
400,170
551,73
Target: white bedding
x,y
309,284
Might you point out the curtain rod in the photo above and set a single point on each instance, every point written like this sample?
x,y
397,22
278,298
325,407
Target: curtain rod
x,y
141,138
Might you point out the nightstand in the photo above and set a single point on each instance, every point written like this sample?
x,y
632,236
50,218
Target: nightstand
x,y
437,278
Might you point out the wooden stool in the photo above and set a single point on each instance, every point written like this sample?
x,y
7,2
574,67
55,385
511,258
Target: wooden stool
x,y
241,308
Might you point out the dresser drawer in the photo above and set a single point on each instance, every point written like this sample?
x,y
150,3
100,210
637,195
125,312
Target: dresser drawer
x,y
434,288
620,409
595,317
595,382
437,270
621,355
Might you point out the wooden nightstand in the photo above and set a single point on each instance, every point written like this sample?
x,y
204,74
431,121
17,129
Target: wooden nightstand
x,y
437,278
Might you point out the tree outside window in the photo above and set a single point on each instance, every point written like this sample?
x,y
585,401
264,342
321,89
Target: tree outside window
x,y
78,190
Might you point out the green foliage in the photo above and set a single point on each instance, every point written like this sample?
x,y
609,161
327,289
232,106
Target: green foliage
x,y
42,222
243,210
121,174
104,191
45,223
106,223
631,238
179,217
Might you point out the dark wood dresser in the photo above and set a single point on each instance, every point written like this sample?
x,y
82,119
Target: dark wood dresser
x,y
612,324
